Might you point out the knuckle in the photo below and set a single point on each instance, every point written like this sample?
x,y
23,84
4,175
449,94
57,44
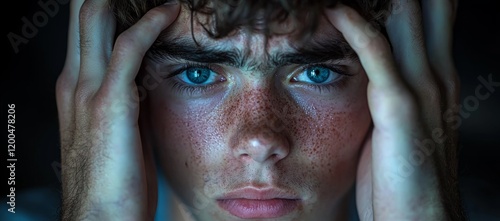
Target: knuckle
x,y
88,16
83,94
125,41
153,16
65,82
131,38
84,44
432,95
379,46
87,11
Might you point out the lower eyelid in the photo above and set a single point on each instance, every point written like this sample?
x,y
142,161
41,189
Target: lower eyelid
x,y
294,78
180,87
336,85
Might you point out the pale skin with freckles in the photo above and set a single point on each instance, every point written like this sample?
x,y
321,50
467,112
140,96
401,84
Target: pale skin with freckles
x,y
254,127
260,129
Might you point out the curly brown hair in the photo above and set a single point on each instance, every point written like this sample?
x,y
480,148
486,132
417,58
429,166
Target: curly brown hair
x,y
230,15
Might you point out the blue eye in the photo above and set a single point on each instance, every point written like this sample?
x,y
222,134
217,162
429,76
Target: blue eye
x,y
194,80
317,75
198,76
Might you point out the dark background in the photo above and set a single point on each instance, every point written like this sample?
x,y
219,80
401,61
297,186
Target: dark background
x,y
29,83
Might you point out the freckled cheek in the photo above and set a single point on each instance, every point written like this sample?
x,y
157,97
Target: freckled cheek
x,y
341,142
185,126
340,134
189,137
186,142
333,154
332,138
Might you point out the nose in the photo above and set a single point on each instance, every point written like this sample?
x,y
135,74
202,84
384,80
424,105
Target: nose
x,y
262,145
261,135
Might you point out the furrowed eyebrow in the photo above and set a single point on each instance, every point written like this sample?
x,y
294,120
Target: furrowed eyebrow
x,y
314,52
185,50
317,52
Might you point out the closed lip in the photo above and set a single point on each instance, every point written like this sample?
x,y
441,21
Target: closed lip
x,y
259,194
254,203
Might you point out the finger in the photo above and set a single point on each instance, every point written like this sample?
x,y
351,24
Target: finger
x,y
66,82
372,48
439,17
394,114
97,28
405,32
73,50
364,189
132,45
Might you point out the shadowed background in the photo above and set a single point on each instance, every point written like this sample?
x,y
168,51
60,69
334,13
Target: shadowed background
x,y
29,83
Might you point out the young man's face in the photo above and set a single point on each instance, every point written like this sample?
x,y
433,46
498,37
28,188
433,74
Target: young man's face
x,y
282,128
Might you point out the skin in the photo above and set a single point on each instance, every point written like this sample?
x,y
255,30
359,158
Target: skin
x,y
257,127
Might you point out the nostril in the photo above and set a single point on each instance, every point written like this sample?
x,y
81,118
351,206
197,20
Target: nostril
x,y
245,157
274,156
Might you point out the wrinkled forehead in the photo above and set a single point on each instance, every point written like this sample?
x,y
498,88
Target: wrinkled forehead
x,y
249,42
